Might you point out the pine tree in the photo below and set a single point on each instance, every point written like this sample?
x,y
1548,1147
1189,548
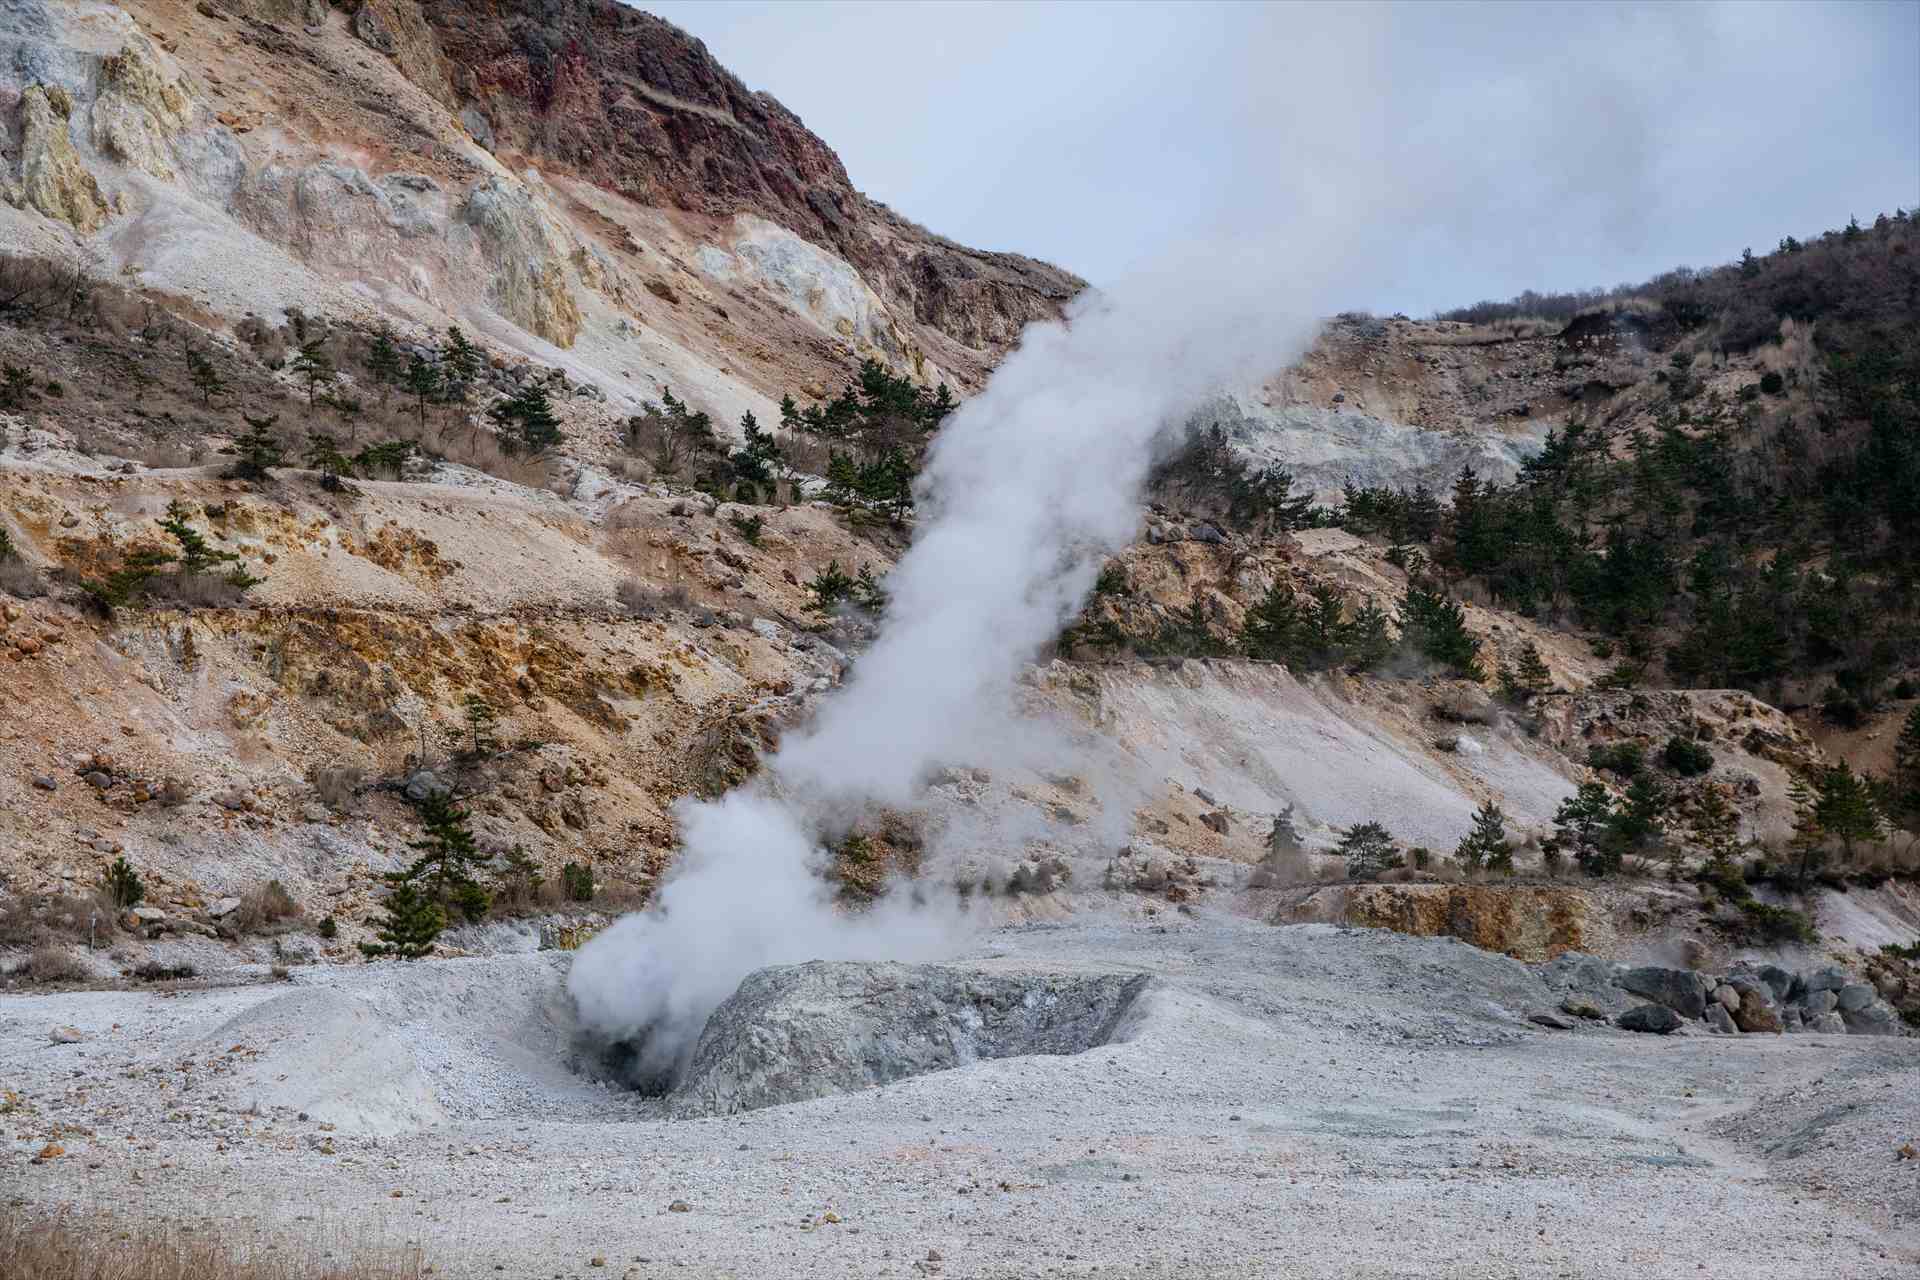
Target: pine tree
x,y
259,448
448,858
1436,629
758,461
461,359
1273,626
1845,808
1486,847
1906,763
205,376
528,415
323,455
1580,825
124,885
1636,823
410,924
1366,639
1369,849
423,382
1809,843
1718,828
480,720
383,361
1530,673
128,580
196,554
315,367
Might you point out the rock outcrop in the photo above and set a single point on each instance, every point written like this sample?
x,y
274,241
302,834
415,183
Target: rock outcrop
x,y
53,180
806,1031
634,105
138,111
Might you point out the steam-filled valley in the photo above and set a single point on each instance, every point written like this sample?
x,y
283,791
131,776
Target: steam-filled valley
x,y
579,696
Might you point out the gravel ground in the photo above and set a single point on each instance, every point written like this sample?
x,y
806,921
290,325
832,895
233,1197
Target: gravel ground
x,y
1300,1101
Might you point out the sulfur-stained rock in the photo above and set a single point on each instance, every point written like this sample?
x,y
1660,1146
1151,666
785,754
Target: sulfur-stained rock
x,y
53,181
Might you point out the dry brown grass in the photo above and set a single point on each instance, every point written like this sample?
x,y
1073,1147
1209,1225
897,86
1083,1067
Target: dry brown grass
x,y
18,578
263,907
71,1246
52,963
33,922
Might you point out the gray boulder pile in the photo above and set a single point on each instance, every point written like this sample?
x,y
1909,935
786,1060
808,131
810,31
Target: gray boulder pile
x,y
1747,999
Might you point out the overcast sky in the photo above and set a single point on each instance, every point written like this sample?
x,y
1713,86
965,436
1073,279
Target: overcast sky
x,y
1454,152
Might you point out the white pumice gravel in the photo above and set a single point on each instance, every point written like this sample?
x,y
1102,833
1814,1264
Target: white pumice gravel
x,y
1308,1101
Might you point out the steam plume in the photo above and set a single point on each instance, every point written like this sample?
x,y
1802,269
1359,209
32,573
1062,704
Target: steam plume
x,y
1027,488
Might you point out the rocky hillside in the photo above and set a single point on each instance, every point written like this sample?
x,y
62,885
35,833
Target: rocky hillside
x,y
216,218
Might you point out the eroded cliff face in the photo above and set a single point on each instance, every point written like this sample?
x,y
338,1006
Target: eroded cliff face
x,y
584,186
636,106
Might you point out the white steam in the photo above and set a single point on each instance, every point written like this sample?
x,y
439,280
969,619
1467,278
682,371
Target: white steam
x,y
1027,488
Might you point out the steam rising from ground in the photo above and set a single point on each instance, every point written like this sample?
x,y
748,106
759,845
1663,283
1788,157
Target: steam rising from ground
x,y
1027,488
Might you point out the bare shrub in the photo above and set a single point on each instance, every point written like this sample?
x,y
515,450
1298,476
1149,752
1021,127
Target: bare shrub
x,y
337,786
644,600
195,591
19,925
263,907
480,449
20,579
632,470
51,963
806,455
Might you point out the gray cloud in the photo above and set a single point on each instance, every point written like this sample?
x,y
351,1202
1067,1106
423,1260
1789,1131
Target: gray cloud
x,y
1516,146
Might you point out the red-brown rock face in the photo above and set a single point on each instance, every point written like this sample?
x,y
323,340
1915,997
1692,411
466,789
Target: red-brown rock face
x,y
637,106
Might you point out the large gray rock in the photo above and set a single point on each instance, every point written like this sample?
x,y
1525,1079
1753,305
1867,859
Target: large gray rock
x,y
1718,1019
1654,1019
1831,978
1785,984
1681,990
1854,996
1827,1023
1819,1002
805,1031
1876,1018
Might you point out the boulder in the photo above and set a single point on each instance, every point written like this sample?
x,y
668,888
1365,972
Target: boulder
x,y
1876,1018
1727,997
1581,1007
1551,1021
806,1031
1784,983
1854,996
1718,1019
423,783
45,782
1821,1002
98,780
148,915
1681,990
223,907
1827,1023
1831,978
65,1035
1652,1019
1756,1011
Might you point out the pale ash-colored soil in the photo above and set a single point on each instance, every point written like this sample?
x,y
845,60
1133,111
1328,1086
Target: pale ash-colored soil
x,y
1304,1101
